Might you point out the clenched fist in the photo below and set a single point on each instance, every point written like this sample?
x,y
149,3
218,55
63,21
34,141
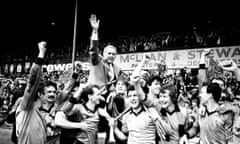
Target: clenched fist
x,y
42,49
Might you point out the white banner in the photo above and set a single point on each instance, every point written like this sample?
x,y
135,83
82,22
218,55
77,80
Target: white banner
x,y
174,59
177,58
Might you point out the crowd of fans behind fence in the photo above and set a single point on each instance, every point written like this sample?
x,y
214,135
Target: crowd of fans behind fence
x,y
192,37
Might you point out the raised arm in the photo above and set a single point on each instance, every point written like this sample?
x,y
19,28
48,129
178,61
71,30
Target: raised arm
x,y
68,106
30,92
137,70
202,73
61,121
93,50
67,89
121,134
135,77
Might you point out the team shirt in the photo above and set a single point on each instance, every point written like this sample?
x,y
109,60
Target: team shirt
x,y
140,126
82,113
175,124
30,126
216,126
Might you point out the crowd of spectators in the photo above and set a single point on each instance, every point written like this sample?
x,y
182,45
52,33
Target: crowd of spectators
x,y
192,37
186,81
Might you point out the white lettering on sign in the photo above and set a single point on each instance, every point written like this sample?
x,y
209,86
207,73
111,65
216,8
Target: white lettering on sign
x,y
65,67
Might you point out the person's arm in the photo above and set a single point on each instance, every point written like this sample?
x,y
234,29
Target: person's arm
x,y
140,91
67,89
103,112
61,121
109,101
193,131
135,78
121,134
30,92
137,70
93,50
17,103
160,124
73,100
202,73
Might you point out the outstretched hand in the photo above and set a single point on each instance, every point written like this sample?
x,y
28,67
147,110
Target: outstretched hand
x,y
94,22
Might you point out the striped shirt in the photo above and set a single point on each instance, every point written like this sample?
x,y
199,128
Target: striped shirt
x,y
140,127
215,127
176,124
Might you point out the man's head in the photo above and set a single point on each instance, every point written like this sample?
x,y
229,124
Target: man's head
x,y
168,96
121,86
90,93
210,92
133,98
154,85
48,91
109,53
144,77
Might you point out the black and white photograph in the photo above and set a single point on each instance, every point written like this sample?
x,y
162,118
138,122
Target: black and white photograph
x,y
119,72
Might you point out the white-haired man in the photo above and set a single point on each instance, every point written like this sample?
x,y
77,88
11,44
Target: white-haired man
x,y
103,70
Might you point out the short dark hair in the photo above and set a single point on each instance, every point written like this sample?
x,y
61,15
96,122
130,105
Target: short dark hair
x,y
44,84
215,90
130,88
88,90
123,80
51,83
153,78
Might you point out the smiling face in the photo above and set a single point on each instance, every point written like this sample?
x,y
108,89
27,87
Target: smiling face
x,y
109,54
165,99
133,99
155,87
